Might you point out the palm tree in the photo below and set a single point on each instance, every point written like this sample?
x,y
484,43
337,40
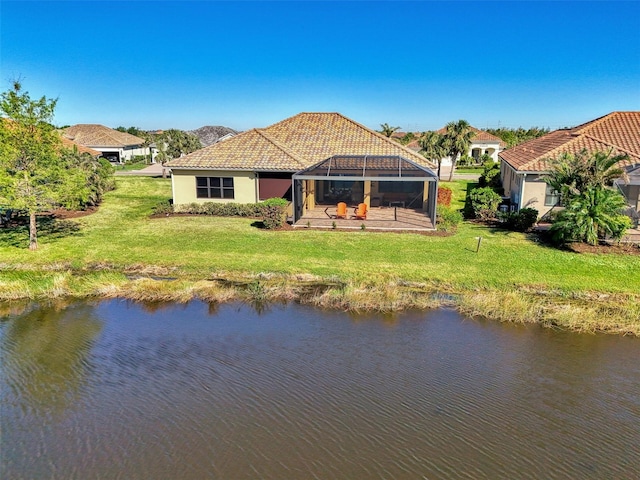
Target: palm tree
x,y
571,175
434,147
590,215
387,130
458,138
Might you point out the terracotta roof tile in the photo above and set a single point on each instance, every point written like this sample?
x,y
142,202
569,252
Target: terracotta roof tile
x,y
480,136
250,150
100,136
70,144
619,131
296,143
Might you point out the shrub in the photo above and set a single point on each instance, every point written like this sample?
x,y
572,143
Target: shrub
x,y
274,212
484,202
444,196
163,208
490,176
448,219
521,221
465,160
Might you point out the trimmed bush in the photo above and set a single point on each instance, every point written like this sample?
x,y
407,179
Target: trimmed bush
x,y
490,176
448,219
163,208
520,221
444,196
274,212
484,202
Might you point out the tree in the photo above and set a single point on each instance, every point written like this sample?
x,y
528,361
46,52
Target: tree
x,y
433,147
96,177
408,138
387,130
513,137
590,215
31,175
177,143
592,209
458,137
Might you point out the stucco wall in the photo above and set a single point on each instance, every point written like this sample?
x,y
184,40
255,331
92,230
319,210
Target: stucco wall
x,y
446,161
534,193
184,186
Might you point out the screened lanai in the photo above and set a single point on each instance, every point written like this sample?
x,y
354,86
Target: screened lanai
x,y
392,187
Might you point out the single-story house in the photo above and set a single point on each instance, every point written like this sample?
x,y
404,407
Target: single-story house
x,y
482,143
336,159
523,166
70,144
115,146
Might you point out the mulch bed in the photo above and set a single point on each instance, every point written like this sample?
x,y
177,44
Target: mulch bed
x,y
605,248
64,214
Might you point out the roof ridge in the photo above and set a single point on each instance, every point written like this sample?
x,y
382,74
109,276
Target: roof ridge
x,y
613,146
385,138
261,132
579,129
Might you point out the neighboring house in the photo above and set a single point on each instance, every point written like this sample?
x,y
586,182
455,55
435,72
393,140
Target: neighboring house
x,y
70,144
482,143
209,135
260,164
115,146
523,166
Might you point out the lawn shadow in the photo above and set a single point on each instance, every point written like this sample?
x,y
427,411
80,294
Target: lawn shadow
x,y
48,228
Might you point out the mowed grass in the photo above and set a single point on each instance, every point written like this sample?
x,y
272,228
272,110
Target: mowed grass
x,y
120,251
121,235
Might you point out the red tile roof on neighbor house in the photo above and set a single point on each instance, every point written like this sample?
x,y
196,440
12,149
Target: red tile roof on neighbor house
x,y
617,131
70,144
294,144
91,135
480,136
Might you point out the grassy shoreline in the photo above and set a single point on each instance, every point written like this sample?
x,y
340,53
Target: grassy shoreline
x,y
120,252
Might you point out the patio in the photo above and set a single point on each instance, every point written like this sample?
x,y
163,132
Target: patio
x,y
399,194
378,218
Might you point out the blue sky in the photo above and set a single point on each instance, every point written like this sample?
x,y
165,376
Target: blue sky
x,y
417,65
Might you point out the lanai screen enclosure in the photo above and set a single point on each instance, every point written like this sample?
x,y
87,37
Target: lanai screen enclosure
x,y
378,181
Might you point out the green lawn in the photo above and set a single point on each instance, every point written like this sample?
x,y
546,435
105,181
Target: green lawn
x,y
120,237
122,234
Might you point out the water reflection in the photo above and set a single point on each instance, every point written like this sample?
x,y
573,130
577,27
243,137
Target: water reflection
x,y
199,390
45,356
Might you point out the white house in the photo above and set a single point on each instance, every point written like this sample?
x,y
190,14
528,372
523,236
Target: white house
x,y
115,146
482,143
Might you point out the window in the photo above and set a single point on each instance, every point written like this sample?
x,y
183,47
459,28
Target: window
x,y
214,187
551,197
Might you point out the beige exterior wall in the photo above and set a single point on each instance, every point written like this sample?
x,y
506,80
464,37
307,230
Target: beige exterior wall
x,y
525,190
510,182
534,192
184,186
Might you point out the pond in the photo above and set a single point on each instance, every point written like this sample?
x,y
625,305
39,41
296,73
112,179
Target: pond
x,y
115,389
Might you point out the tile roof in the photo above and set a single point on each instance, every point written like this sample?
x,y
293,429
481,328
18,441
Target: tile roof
x,y
294,144
92,135
70,144
619,131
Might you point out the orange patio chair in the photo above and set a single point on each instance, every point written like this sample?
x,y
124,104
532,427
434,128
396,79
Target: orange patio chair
x,y
341,210
360,212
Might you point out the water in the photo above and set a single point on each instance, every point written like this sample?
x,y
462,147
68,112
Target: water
x,y
122,390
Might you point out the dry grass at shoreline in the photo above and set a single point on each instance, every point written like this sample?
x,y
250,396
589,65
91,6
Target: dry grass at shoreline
x,y
584,312
119,252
